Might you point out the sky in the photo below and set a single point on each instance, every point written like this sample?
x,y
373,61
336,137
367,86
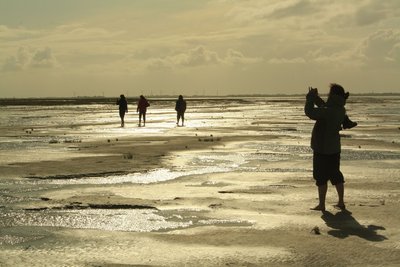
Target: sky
x,y
65,48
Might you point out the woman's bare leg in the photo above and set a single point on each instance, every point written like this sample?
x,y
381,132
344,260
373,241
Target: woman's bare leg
x,y
340,192
322,189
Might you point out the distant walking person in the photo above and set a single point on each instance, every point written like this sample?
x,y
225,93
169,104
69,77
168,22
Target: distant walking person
x,y
142,109
325,141
180,108
123,108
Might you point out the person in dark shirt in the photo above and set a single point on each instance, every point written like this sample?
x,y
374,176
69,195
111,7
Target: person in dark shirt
x,y
142,106
325,141
180,108
347,123
123,108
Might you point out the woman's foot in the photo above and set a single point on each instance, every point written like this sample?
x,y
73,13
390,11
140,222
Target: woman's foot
x,y
340,206
318,207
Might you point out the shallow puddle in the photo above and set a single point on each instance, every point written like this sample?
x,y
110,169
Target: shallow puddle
x,y
131,220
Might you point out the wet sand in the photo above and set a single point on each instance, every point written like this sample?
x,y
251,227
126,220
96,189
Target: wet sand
x,y
214,196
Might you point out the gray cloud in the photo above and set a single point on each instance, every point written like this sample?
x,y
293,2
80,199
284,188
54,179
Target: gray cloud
x,y
234,57
81,32
158,64
297,8
196,57
257,11
13,34
381,47
375,11
215,38
26,59
297,60
18,62
200,56
43,59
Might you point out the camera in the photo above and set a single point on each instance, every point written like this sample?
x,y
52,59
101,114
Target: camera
x,y
313,90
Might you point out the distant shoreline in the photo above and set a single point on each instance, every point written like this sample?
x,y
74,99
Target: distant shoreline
x,y
88,100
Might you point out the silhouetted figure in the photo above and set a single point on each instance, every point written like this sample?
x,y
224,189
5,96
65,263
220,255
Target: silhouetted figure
x,y
180,108
347,123
325,142
123,108
142,109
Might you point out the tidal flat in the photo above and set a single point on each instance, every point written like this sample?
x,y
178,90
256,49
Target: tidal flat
x,y
233,187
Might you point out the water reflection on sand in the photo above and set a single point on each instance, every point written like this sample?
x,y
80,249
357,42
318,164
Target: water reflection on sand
x,y
40,133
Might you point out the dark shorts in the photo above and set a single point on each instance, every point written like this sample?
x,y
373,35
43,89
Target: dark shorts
x,y
327,168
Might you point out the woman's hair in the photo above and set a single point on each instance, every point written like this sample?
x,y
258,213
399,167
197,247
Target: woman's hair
x,y
337,89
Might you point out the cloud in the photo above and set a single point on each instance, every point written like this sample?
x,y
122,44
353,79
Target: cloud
x,y
28,59
296,60
200,56
18,62
294,8
394,54
381,47
81,32
367,16
197,56
43,59
259,11
375,11
158,64
3,31
234,57
11,34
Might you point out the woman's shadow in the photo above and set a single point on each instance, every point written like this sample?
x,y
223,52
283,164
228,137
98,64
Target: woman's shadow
x,y
343,225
